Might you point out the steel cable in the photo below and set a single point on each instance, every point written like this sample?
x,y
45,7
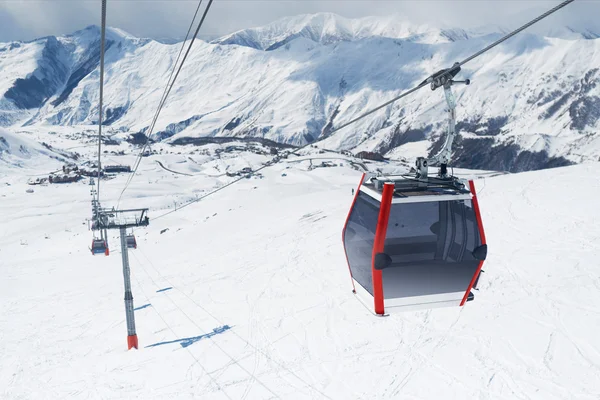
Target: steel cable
x,y
164,99
421,85
454,67
102,39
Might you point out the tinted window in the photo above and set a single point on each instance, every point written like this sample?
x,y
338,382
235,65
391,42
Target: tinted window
x,y
431,246
444,230
409,232
359,237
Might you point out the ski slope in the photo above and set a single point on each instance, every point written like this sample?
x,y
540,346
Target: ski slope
x,y
247,294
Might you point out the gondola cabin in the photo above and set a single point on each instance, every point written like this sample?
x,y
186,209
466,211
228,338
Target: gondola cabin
x,y
414,244
131,243
99,246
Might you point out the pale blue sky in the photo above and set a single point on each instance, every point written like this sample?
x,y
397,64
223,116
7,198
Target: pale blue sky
x,y
29,19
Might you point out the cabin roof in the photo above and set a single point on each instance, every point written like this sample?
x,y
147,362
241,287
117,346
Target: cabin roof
x,y
412,189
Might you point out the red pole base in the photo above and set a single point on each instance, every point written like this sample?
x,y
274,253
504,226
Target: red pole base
x,y
132,341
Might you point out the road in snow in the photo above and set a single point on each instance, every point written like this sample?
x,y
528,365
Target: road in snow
x,y
260,303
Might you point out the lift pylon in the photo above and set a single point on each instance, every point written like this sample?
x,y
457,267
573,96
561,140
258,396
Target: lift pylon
x,y
123,219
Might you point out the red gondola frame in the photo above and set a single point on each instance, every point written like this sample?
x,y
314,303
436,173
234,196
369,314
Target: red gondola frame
x,y
379,241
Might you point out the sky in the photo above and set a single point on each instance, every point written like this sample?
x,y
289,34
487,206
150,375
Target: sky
x,y
30,19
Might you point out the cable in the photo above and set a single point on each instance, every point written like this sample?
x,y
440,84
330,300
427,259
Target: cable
x,y
527,25
421,85
210,193
454,67
164,99
102,38
181,50
172,330
251,375
234,332
270,163
481,190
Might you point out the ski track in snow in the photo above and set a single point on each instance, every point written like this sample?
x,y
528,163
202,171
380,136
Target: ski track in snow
x,y
264,257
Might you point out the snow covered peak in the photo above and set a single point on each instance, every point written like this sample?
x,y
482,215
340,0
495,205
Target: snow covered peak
x,y
91,34
317,27
568,32
328,28
95,30
84,37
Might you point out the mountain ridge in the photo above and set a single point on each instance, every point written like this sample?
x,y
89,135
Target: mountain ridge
x,y
295,87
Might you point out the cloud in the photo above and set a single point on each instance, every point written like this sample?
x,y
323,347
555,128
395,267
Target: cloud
x,y
29,19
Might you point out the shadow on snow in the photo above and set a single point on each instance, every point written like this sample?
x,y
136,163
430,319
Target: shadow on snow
x,y
185,342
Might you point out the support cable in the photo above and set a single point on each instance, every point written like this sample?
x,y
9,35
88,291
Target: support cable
x,y
210,193
251,375
164,99
102,39
527,25
281,365
163,96
441,74
454,67
212,378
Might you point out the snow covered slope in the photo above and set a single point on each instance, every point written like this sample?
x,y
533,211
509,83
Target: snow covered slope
x,y
533,102
246,294
17,151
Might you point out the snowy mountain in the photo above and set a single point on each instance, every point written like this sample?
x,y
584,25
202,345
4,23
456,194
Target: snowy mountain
x,y
328,28
533,103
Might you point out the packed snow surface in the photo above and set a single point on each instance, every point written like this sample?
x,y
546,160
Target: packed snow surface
x,y
247,295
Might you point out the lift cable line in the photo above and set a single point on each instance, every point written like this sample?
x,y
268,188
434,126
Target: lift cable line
x,y
103,36
202,330
212,378
211,193
104,219
233,331
164,95
100,244
164,99
440,78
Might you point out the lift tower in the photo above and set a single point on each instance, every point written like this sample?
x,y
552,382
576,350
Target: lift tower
x,y
104,219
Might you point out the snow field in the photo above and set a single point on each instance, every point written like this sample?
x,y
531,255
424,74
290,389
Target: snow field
x,y
264,258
